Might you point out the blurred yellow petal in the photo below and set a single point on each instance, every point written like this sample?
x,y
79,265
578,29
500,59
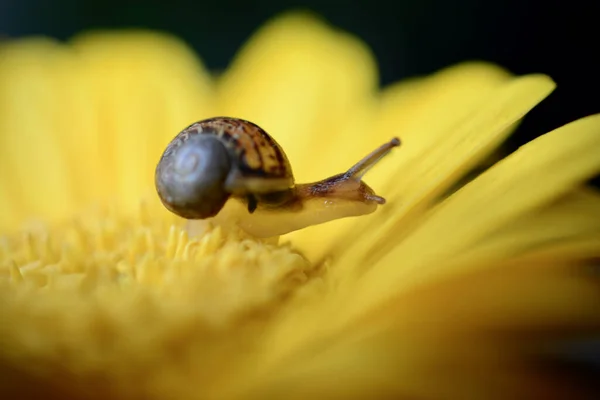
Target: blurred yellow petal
x,y
9,213
294,63
480,329
107,104
533,176
145,87
427,168
568,217
405,110
31,100
529,178
450,95
488,319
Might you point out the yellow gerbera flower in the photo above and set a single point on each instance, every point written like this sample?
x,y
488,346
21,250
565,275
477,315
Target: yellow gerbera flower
x,y
451,290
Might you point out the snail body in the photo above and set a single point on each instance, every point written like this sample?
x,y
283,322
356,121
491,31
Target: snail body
x,y
214,160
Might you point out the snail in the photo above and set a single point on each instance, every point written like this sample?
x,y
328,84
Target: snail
x,y
220,158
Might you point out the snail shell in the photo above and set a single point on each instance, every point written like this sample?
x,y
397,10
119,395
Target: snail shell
x,y
213,159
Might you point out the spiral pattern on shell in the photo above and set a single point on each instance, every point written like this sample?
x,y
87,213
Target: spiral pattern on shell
x,y
190,176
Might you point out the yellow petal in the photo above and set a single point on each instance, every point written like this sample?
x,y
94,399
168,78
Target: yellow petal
x,y
9,212
567,219
473,324
426,169
528,179
305,84
405,110
33,108
105,106
452,95
145,88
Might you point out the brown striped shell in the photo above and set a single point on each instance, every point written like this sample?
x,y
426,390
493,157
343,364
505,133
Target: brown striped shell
x,y
256,155
214,158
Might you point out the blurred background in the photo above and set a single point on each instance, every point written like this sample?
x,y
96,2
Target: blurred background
x,y
408,37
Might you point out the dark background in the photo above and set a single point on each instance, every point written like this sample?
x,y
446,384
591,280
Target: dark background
x,y
409,37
